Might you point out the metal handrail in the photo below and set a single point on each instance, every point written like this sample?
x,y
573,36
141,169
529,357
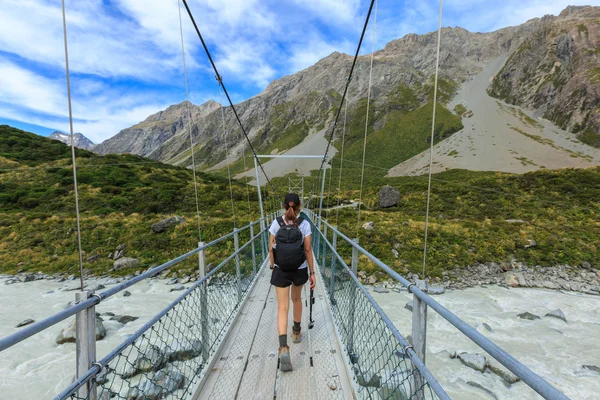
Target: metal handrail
x,y
37,327
529,377
97,367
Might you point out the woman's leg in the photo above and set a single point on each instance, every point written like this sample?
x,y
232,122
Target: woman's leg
x,y
297,301
283,305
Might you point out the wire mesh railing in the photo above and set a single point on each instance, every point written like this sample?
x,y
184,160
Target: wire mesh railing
x,y
377,352
167,357
345,301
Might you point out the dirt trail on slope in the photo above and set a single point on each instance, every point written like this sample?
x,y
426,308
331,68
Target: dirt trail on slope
x,y
314,144
500,137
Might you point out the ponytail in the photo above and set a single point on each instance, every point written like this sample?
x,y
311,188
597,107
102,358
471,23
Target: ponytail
x,y
290,212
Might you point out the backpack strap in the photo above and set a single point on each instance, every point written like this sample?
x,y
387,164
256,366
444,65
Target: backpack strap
x,y
280,221
299,221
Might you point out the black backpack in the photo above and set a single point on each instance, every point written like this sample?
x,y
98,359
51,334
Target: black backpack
x,y
289,246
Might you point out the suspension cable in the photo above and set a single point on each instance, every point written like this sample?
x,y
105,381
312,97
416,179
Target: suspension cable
x,y
362,35
362,172
220,80
64,16
337,210
227,158
246,179
435,87
190,123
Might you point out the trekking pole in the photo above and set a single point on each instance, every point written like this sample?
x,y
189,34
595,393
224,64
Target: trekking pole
x,y
312,301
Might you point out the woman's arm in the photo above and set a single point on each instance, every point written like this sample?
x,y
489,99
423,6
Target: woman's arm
x,y
310,259
271,255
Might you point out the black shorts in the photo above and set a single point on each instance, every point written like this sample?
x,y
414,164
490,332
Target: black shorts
x,y
281,278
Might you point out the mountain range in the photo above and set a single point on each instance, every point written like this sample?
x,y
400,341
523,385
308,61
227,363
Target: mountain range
x,y
81,141
547,71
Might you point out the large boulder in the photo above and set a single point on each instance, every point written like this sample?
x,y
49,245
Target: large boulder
x,y
125,262
165,224
388,196
475,361
151,359
557,314
68,335
528,315
123,319
183,349
158,386
502,372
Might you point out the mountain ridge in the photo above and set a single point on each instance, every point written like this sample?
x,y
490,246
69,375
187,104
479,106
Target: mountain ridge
x,y
296,106
80,140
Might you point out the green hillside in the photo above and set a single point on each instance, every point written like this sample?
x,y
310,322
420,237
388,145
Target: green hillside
x,y
121,196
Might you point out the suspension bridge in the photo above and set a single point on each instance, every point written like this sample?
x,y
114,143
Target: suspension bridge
x,y
217,340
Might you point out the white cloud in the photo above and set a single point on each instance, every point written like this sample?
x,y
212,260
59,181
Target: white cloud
x,y
307,54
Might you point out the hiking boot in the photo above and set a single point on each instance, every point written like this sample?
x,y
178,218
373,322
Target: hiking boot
x,y
296,336
285,362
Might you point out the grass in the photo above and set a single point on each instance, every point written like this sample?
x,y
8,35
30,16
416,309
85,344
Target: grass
x,y
121,196
460,109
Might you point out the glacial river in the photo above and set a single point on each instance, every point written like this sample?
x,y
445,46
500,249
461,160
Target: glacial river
x,y
39,369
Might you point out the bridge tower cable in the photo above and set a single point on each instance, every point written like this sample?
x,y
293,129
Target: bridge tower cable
x,y
220,80
362,171
362,35
190,123
64,17
435,87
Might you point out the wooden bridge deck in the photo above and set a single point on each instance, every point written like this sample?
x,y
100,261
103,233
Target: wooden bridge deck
x,y
246,366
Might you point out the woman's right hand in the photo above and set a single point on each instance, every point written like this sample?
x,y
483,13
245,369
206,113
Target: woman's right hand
x,y
313,281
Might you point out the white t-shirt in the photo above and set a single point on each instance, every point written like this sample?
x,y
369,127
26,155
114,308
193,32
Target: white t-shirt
x,y
304,228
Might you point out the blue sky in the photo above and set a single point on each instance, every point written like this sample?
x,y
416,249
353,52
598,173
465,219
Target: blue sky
x,y
125,55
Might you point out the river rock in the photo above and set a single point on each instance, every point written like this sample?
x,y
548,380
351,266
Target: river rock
x,y
388,196
528,315
487,327
371,280
158,386
530,243
502,372
477,385
172,281
183,349
436,290
126,293
96,287
511,280
475,361
369,226
125,262
24,323
592,368
409,306
176,288
27,278
151,359
123,319
165,224
68,334
557,314
380,289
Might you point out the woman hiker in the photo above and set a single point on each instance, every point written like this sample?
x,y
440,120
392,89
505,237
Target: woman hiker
x,y
291,256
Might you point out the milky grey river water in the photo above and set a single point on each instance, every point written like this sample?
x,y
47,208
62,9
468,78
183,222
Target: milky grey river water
x,y
39,369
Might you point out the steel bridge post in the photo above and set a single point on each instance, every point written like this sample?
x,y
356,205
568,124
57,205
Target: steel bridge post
x,y
85,337
203,303
253,250
352,353
419,336
332,268
238,274
324,250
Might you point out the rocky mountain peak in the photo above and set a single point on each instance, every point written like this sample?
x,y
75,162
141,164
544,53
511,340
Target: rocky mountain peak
x,y
80,140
